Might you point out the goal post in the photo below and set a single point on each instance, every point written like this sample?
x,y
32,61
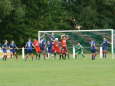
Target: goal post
x,y
97,32
112,42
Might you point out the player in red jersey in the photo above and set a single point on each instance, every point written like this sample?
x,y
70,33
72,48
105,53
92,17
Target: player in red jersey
x,y
64,46
37,48
56,47
63,53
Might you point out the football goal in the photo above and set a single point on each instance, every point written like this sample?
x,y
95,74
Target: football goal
x,y
84,37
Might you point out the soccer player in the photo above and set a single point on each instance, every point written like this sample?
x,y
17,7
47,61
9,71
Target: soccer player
x,y
13,48
56,47
43,45
105,45
93,49
49,46
64,46
4,48
1,50
29,49
63,53
79,50
37,48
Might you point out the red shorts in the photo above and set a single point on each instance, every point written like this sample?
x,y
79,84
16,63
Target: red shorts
x,y
38,50
65,48
63,52
57,50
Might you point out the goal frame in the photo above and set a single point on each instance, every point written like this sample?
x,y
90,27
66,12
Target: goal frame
x,y
96,30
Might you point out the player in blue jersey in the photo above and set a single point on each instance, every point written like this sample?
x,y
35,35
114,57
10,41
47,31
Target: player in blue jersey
x,y
93,49
49,47
13,49
29,49
5,46
43,45
105,45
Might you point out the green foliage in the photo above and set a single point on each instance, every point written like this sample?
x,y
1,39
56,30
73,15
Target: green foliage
x,y
5,7
20,19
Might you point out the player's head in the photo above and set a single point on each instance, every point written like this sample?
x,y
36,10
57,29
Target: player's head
x,y
56,39
12,42
6,41
104,39
48,42
29,39
64,37
92,40
78,43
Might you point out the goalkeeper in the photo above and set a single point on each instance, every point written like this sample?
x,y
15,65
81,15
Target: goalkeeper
x,y
79,50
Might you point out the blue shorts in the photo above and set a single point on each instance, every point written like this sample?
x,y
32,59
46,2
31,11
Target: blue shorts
x,y
43,48
4,51
104,48
93,50
29,51
13,51
49,50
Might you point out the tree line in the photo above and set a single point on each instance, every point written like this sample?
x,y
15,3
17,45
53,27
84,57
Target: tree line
x,y
21,19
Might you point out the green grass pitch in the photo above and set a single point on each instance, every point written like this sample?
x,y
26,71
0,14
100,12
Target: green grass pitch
x,y
79,72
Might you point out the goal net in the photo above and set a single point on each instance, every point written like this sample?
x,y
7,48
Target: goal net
x,y
84,37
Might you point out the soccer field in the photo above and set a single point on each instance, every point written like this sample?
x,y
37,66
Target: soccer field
x,y
79,72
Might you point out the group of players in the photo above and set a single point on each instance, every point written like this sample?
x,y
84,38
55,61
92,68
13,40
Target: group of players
x,y
53,47
44,47
8,46
47,48
105,45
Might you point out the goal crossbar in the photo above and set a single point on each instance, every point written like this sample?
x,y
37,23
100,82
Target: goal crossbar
x,y
77,30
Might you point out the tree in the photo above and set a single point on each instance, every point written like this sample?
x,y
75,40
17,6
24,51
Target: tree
x,y
21,19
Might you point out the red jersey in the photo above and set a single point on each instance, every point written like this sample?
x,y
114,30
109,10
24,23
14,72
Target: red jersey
x,y
56,44
37,47
63,43
56,47
36,43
